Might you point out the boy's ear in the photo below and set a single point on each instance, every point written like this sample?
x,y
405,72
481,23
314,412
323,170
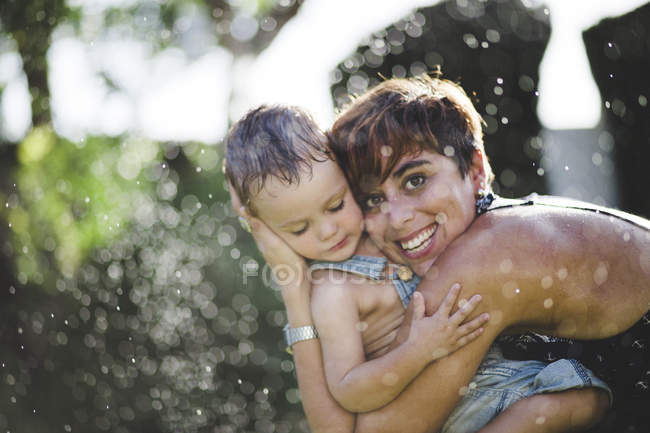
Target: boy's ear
x,y
237,205
477,171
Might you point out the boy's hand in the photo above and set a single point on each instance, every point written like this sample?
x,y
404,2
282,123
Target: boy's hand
x,y
442,334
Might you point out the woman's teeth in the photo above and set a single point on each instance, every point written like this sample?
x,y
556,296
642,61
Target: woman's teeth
x,y
420,241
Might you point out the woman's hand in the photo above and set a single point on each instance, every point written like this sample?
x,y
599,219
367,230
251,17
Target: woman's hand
x,y
289,269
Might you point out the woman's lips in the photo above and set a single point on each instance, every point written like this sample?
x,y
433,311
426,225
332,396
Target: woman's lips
x,y
420,244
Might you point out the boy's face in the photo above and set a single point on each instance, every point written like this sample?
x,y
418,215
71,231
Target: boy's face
x,y
318,217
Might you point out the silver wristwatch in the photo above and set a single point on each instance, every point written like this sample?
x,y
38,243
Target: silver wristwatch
x,y
294,335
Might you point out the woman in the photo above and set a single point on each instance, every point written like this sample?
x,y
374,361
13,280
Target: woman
x,y
412,150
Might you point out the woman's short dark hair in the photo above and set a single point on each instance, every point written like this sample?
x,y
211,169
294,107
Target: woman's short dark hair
x,y
404,116
277,141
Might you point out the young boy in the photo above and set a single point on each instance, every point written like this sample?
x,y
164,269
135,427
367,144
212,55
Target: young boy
x,y
279,166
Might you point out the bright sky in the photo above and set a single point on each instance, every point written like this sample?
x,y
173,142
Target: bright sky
x,y
170,96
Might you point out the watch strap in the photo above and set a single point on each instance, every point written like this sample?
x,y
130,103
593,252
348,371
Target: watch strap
x,y
295,335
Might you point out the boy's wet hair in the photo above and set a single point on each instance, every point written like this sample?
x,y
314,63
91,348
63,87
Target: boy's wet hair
x,y
272,141
404,116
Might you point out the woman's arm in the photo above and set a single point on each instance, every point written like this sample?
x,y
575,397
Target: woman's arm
x,y
323,413
564,272
361,385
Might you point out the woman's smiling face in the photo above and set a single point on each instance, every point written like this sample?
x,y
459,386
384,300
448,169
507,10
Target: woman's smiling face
x,y
421,207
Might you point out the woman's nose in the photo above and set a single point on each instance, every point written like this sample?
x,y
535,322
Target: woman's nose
x,y
400,213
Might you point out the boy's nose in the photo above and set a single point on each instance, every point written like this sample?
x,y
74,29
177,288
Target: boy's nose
x,y
327,230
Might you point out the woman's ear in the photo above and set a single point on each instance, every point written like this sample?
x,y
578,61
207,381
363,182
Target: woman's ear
x,y
478,171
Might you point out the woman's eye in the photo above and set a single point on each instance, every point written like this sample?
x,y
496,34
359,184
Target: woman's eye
x,y
372,202
414,181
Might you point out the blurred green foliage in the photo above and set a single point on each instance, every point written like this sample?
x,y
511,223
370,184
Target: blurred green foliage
x,y
123,303
72,198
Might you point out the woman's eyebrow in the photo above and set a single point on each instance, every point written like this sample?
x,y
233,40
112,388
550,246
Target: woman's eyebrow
x,y
409,165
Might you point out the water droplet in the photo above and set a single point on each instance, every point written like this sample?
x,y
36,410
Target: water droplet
x,y
505,266
449,151
548,303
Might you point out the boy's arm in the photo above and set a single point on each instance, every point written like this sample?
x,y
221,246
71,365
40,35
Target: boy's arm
x,y
361,385
559,412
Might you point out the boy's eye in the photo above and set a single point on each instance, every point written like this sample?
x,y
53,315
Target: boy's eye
x,y
299,231
372,202
338,206
415,181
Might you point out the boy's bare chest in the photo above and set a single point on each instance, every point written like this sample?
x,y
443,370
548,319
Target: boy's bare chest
x,y
381,313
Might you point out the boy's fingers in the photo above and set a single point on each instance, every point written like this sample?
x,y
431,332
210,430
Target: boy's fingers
x,y
418,306
466,309
448,303
469,337
473,324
